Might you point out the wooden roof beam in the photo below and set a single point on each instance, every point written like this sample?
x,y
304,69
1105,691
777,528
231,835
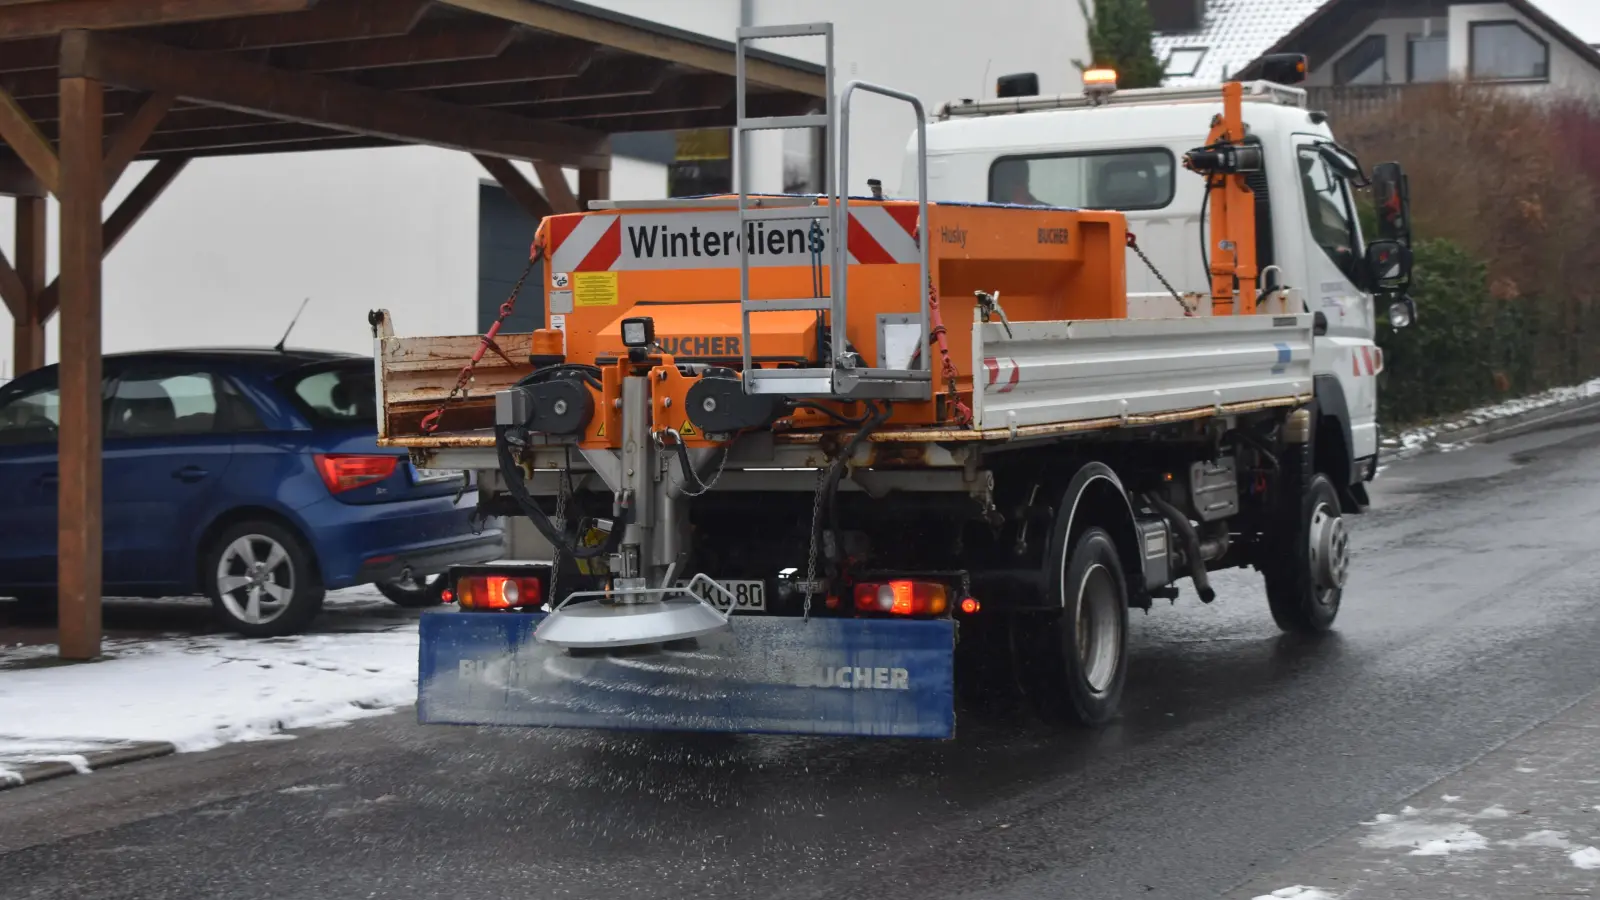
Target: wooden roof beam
x,y
552,61
600,81
128,212
447,42
26,20
520,189
317,100
29,143
682,50
17,180
327,22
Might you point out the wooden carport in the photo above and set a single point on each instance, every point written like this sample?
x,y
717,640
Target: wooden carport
x,y
89,86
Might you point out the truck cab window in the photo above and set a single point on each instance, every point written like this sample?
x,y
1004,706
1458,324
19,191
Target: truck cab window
x,y
1330,214
1117,179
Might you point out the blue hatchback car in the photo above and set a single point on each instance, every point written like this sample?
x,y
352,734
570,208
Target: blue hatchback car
x,y
251,476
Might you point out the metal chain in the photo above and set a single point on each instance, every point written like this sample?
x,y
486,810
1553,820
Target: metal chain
x,y
563,490
430,422
708,485
1133,244
816,522
962,412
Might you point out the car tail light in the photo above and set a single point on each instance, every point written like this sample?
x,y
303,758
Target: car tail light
x,y
498,591
345,473
902,598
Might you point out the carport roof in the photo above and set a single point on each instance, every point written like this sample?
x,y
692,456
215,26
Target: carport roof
x,y
522,79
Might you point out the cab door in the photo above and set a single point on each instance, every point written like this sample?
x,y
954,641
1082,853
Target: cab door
x,y
1335,279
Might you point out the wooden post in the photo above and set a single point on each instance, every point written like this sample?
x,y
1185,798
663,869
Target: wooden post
x,y
593,184
28,322
79,529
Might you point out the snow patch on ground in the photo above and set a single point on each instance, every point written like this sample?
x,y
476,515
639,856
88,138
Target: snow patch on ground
x,y
1425,838
198,692
1587,858
1421,436
1298,892
1554,840
1451,798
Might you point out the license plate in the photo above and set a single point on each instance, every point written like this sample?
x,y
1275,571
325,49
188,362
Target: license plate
x,y
748,596
420,475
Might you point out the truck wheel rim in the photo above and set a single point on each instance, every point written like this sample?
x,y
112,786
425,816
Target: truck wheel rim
x,y
1330,551
255,579
1099,637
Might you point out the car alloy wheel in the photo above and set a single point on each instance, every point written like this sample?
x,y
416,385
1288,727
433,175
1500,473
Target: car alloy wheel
x,y
255,579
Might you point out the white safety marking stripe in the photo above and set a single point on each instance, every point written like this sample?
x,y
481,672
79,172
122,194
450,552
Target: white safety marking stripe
x,y
572,251
888,232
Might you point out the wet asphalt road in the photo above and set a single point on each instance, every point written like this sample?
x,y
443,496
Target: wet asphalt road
x,y
1472,616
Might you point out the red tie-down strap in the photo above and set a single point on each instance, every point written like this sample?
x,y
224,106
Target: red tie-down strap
x,y
430,422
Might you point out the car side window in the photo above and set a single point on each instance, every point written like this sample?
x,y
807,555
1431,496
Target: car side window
x,y
31,416
1330,214
152,403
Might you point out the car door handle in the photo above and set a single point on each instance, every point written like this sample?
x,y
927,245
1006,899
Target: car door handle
x,y
48,479
190,473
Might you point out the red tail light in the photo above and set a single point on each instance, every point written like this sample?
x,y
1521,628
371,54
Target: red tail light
x,y
498,592
344,473
902,598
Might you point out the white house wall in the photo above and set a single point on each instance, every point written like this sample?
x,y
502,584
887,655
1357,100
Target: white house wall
x,y
1396,33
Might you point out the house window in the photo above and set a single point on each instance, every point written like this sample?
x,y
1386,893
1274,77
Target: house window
x,y
1428,59
1506,51
1364,64
1183,62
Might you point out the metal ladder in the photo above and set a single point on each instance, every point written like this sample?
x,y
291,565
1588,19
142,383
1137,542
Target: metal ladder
x,y
846,379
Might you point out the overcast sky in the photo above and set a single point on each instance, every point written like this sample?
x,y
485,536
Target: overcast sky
x,y
1582,17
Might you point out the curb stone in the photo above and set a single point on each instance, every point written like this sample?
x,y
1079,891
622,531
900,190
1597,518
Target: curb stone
x,y
32,773
1493,430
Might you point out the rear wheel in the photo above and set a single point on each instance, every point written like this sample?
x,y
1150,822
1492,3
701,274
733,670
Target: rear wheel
x,y
1084,654
1306,574
414,591
261,580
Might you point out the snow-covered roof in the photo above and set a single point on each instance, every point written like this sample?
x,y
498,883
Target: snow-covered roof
x,y
1235,32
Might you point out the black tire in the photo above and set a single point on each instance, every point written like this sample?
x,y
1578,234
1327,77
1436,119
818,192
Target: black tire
x,y
1306,570
1085,647
290,589
417,592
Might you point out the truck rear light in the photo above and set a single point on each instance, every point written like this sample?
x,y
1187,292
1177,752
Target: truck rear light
x,y
902,598
498,591
342,472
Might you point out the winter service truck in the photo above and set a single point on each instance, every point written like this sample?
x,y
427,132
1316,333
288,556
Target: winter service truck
x,y
786,463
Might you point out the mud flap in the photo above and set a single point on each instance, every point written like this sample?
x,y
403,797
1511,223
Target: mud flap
x,y
865,677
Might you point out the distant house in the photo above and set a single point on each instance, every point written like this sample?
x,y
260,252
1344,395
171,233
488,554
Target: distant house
x,y
1366,50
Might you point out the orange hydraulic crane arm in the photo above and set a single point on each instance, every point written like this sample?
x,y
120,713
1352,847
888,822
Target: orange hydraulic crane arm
x,y
1226,161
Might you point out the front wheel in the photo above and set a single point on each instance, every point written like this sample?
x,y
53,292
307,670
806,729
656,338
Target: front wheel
x,y
1305,576
261,580
1085,651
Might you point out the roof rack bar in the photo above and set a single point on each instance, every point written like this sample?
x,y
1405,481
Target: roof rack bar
x,y
1258,91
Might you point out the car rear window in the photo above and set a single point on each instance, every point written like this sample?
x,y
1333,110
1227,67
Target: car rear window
x,y
342,395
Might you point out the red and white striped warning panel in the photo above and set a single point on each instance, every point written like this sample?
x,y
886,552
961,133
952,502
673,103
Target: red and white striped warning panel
x,y
879,235
1004,374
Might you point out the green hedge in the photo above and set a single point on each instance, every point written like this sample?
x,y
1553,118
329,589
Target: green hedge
x,y
1467,348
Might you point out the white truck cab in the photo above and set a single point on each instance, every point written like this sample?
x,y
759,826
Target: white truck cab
x,y
1122,151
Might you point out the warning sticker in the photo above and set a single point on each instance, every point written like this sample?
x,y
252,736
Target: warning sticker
x,y
594,289
688,429
602,431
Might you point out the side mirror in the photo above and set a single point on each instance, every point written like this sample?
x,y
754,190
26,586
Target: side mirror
x,y
1389,265
1392,191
